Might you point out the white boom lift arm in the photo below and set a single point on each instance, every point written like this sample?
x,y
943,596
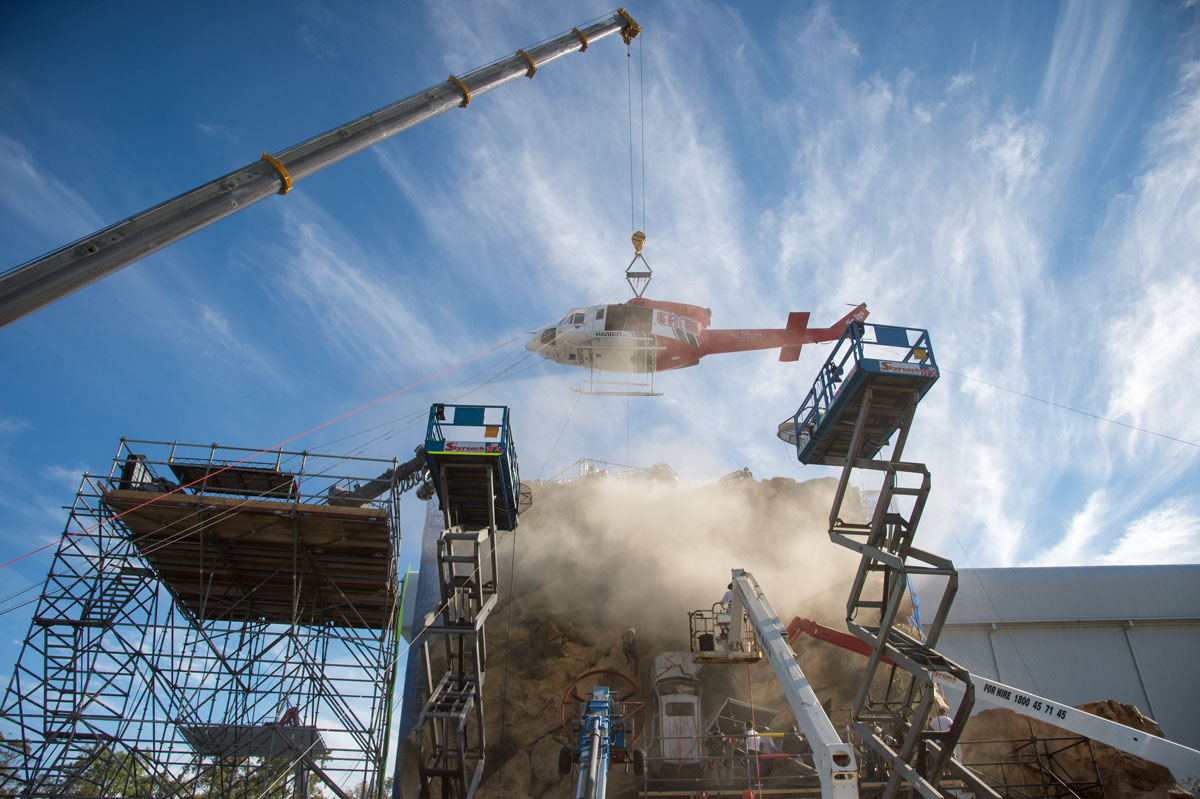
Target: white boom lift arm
x,y
834,759
1183,761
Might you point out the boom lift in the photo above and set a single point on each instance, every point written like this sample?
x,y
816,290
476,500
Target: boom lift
x,y
1183,761
598,736
604,727
732,642
39,282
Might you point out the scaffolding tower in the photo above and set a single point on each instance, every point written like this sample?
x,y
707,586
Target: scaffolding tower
x,y
862,401
216,621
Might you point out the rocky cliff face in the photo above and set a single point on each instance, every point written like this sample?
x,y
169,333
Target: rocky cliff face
x,y
1122,775
596,556
599,555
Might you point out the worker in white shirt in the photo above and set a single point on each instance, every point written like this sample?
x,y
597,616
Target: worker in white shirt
x,y
753,741
942,722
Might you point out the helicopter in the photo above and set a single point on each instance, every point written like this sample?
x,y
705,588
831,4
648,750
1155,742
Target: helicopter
x,y
644,336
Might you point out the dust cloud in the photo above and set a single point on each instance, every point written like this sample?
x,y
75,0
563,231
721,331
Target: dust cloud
x,y
600,554
619,553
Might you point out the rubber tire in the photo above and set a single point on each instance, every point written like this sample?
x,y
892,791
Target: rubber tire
x,y
639,762
564,761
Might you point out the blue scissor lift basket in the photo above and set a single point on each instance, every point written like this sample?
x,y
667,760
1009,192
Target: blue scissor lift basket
x,y
862,401
894,366
473,465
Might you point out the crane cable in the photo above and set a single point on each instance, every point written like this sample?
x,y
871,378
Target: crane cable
x,y
642,129
1072,410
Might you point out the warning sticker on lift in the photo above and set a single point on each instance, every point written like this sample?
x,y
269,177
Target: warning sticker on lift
x,y
486,449
899,367
1025,702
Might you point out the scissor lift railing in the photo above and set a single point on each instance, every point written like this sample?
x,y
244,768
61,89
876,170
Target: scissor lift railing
x,y
897,363
473,466
473,463
862,401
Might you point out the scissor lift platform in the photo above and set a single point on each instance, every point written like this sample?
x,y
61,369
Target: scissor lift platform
x,y
473,465
889,365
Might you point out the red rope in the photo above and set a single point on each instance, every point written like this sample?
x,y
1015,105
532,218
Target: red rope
x,y
757,738
281,444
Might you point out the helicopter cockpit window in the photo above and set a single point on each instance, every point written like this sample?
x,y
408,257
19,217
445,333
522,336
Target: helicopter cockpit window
x,y
548,336
577,319
629,317
686,337
599,314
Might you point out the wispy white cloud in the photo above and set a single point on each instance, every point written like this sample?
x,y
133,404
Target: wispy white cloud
x,y
217,130
922,201
222,339
358,306
34,194
8,426
1078,544
1013,153
1077,85
65,478
1146,253
1170,533
960,80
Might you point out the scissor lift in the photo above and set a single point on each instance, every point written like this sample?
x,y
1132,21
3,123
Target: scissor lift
x,y
473,466
862,401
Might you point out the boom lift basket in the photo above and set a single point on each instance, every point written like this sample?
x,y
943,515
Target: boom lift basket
x,y
715,638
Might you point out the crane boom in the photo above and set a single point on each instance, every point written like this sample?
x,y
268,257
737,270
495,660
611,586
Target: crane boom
x,y
37,283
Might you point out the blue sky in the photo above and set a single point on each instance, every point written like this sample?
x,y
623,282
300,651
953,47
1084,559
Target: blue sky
x,y
1023,179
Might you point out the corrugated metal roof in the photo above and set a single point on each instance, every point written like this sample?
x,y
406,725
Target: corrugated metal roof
x,y
1077,593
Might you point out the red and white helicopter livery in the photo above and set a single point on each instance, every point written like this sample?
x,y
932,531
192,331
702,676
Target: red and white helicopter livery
x,y
645,336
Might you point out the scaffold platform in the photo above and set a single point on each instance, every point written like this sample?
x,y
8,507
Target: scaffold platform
x,y
892,363
239,559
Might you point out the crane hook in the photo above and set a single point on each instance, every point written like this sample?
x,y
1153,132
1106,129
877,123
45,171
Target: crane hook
x,y
639,280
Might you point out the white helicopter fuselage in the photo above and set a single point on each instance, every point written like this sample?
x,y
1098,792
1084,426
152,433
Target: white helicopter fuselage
x,y
633,339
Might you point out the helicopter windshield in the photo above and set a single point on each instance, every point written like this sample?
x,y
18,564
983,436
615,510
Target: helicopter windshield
x,y
629,317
